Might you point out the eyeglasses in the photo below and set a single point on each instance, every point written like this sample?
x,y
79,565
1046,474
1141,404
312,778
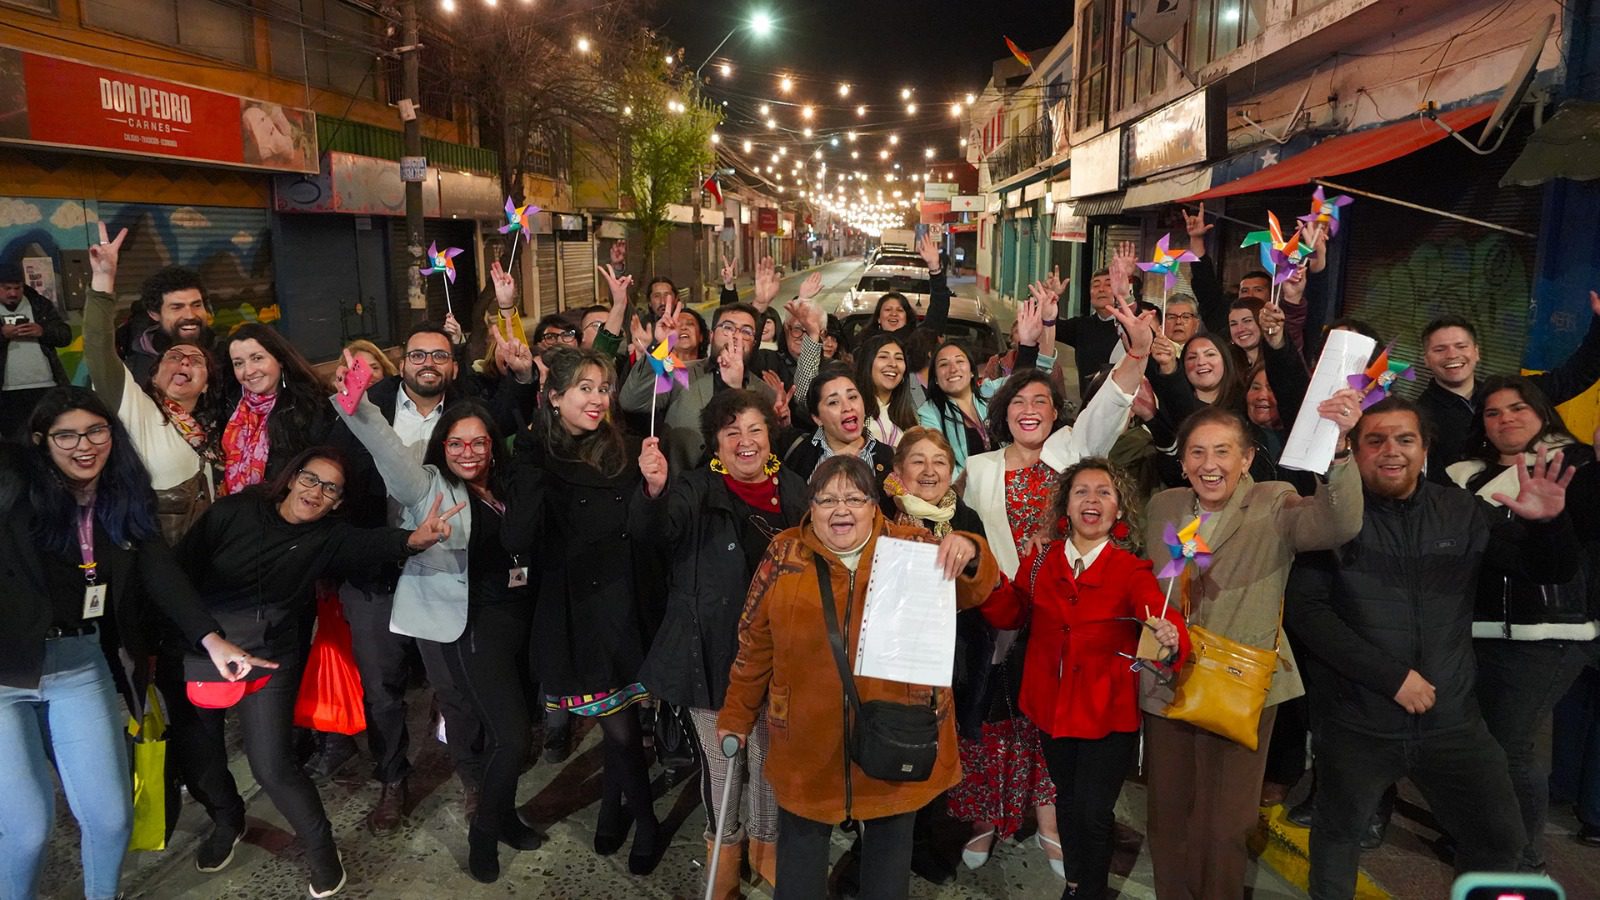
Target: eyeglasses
x,y
329,489
1182,317
418,357
459,447
98,436
795,331
854,501
188,359
566,336
730,329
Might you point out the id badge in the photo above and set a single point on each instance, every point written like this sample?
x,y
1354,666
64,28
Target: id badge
x,y
519,577
94,601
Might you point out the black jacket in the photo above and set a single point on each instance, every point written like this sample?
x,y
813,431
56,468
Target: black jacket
x,y
255,571
144,581
591,626
1452,414
698,521
1521,609
57,334
1399,597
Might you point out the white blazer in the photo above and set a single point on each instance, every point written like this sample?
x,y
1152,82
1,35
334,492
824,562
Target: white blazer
x,y
1097,428
430,600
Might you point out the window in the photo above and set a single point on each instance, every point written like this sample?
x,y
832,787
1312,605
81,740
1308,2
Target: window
x,y
43,6
1219,27
1145,69
327,43
1093,64
207,27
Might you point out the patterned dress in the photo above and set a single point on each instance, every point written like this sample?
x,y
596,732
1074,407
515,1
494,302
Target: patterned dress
x,y
1005,773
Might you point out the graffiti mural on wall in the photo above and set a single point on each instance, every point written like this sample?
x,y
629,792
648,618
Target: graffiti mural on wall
x,y
230,247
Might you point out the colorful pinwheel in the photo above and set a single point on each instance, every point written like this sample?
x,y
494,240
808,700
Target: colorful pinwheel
x,y
1378,380
1325,212
517,219
668,367
1166,262
1283,258
1185,546
442,261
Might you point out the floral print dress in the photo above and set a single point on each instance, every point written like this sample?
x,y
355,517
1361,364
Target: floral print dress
x,y
1005,773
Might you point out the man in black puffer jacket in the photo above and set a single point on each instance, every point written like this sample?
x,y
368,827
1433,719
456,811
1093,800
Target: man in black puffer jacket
x,y
1386,621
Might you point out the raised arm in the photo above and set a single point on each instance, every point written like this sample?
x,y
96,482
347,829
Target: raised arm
x,y
938,283
404,477
107,375
1203,277
1581,369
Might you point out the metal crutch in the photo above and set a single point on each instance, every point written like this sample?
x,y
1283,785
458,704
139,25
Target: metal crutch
x,y
730,749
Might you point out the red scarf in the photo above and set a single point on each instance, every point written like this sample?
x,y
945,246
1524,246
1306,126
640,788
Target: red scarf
x,y
761,494
188,427
245,443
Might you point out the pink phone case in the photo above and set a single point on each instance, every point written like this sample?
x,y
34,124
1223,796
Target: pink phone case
x,y
356,381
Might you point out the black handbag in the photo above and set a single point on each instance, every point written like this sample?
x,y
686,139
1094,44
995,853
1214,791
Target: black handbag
x,y
889,741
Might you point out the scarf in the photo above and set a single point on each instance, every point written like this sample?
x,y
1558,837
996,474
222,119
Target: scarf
x,y
921,510
762,495
245,443
187,426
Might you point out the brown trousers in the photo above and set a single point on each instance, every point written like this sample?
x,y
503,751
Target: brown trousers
x,y
1204,797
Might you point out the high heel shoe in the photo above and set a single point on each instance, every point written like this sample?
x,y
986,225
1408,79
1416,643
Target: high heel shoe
x,y
1057,866
974,859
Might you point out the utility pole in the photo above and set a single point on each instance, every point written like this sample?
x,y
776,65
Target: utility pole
x,y
416,296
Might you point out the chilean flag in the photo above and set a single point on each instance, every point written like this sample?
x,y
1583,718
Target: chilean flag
x,y
713,188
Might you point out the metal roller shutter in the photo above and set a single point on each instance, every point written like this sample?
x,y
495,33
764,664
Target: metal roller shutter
x,y
577,273
230,247
1405,267
544,252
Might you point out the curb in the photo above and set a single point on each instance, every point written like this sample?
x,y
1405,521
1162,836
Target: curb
x,y
1288,852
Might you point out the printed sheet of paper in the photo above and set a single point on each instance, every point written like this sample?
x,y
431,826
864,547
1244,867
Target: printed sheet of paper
x,y
908,629
1313,439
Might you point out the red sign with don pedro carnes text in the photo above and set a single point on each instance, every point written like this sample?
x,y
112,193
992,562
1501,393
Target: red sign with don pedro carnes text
x,y
59,102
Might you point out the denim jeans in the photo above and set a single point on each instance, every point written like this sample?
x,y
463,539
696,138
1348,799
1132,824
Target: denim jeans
x,y
1575,773
76,709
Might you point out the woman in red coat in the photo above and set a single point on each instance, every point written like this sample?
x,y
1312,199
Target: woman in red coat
x,y
1088,599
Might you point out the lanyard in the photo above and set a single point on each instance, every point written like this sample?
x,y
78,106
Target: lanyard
x,y
86,541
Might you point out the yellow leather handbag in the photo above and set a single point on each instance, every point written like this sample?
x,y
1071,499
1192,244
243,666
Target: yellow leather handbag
x,y
1223,686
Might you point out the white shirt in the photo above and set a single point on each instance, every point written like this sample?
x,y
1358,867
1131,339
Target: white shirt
x,y
413,427
1074,557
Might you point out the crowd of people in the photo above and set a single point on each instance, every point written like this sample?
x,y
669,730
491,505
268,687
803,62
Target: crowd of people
x,y
558,531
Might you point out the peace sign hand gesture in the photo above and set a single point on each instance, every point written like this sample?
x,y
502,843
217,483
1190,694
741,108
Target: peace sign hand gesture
x,y
617,286
435,529
103,261
505,288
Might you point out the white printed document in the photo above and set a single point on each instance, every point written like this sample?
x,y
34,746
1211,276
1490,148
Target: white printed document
x,y
1313,439
908,629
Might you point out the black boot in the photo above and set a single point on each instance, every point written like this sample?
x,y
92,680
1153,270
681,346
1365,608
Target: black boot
x,y
644,855
611,827
483,855
327,872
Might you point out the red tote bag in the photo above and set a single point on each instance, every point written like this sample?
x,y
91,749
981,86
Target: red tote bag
x,y
330,690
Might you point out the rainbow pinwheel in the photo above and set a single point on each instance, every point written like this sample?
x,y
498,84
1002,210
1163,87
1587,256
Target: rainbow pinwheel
x,y
1283,258
1166,262
1325,212
442,261
668,366
1185,546
1379,378
517,219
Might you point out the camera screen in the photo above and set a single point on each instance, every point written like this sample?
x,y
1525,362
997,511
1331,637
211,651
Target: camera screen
x,y
1490,892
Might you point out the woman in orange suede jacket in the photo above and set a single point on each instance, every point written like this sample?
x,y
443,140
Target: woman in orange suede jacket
x,y
1088,600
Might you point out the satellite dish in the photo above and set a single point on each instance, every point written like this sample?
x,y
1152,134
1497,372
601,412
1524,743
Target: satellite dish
x,y
1516,89
1159,21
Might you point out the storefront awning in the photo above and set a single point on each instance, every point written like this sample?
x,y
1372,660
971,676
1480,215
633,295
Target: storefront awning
x,y
1103,205
1161,191
1567,146
1351,153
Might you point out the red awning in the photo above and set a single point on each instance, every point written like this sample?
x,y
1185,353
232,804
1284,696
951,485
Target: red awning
x,y
1350,153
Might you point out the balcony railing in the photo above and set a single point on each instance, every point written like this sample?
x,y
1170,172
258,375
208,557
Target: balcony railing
x,y
1022,151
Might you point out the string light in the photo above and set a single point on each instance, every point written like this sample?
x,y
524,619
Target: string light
x,y
726,70
583,45
928,153
894,139
748,146
786,85
772,124
905,93
883,154
844,90
861,112
766,110
807,112
955,110
971,99
911,109
806,132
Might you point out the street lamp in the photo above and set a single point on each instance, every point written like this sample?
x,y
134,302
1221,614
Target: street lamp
x,y
760,25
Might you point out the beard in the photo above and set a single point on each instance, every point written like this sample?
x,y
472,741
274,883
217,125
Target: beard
x,y
427,390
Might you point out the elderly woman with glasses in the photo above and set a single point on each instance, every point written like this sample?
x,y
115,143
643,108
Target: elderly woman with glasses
x,y
786,664
254,557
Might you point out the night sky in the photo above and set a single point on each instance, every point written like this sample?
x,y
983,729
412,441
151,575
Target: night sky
x,y
942,49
